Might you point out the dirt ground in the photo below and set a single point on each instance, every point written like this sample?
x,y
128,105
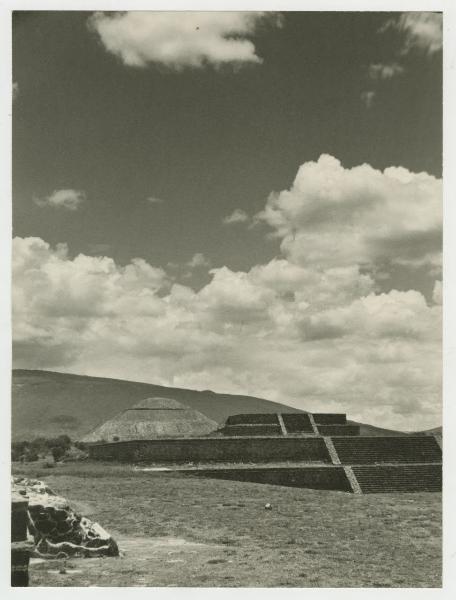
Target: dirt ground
x,y
176,530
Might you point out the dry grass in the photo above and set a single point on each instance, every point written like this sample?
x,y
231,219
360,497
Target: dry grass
x,y
309,538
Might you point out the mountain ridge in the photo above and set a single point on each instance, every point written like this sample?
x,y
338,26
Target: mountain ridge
x,y
50,403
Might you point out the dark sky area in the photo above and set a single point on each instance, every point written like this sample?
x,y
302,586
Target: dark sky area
x,y
205,141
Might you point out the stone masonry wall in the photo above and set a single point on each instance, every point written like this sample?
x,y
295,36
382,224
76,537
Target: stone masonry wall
x,y
222,449
319,478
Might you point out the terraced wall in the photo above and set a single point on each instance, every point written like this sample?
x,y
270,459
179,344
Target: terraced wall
x,y
399,478
318,478
220,449
253,419
330,418
297,423
247,429
372,450
338,429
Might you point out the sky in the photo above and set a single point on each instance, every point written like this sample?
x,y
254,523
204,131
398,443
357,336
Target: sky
x,y
243,202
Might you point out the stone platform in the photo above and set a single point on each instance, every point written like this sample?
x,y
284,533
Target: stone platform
x,y
320,451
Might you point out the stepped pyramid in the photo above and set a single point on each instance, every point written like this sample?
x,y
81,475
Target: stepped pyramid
x,y
370,464
153,418
313,450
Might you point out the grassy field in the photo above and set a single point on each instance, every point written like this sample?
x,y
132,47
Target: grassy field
x,y
175,530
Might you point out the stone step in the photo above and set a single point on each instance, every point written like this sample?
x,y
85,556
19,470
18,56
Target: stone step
x,y
252,429
366,450
330,418
252,419
336,430
399,478
297,423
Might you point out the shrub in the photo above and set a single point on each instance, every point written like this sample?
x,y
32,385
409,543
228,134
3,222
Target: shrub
x,y
31,456
40,447
18,450
62,441
58,452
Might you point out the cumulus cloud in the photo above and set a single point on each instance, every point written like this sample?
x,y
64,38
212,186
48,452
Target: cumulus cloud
x,y
237,216
179,39
66,199
316,337
420,31
333,216
309,328
393,315
380,71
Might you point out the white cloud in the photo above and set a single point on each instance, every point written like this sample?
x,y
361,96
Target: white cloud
x,y
179,39
380,71
309,285
198,260
393,315
316,337
237,216
308,328
420,30
333,216
437,294
232,297
367,98
154,200
66,199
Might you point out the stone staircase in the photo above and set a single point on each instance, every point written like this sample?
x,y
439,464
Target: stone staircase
x,y
254,424
326,452
375,450
399,478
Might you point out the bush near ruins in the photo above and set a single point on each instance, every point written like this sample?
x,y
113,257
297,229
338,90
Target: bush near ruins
x,y
60,447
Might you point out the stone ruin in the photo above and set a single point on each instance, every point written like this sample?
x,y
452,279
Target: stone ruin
x,y
313,450
58,530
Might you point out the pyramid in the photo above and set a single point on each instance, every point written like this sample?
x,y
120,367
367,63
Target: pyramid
x,y
153,418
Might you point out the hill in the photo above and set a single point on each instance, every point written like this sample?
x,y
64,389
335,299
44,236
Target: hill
x,y
48,403
435,431
45,403
365,429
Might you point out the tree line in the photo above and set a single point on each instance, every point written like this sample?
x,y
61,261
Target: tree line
x,y
59,447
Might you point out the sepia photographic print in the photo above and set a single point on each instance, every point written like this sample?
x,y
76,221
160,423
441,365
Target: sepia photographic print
x,y
226,298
